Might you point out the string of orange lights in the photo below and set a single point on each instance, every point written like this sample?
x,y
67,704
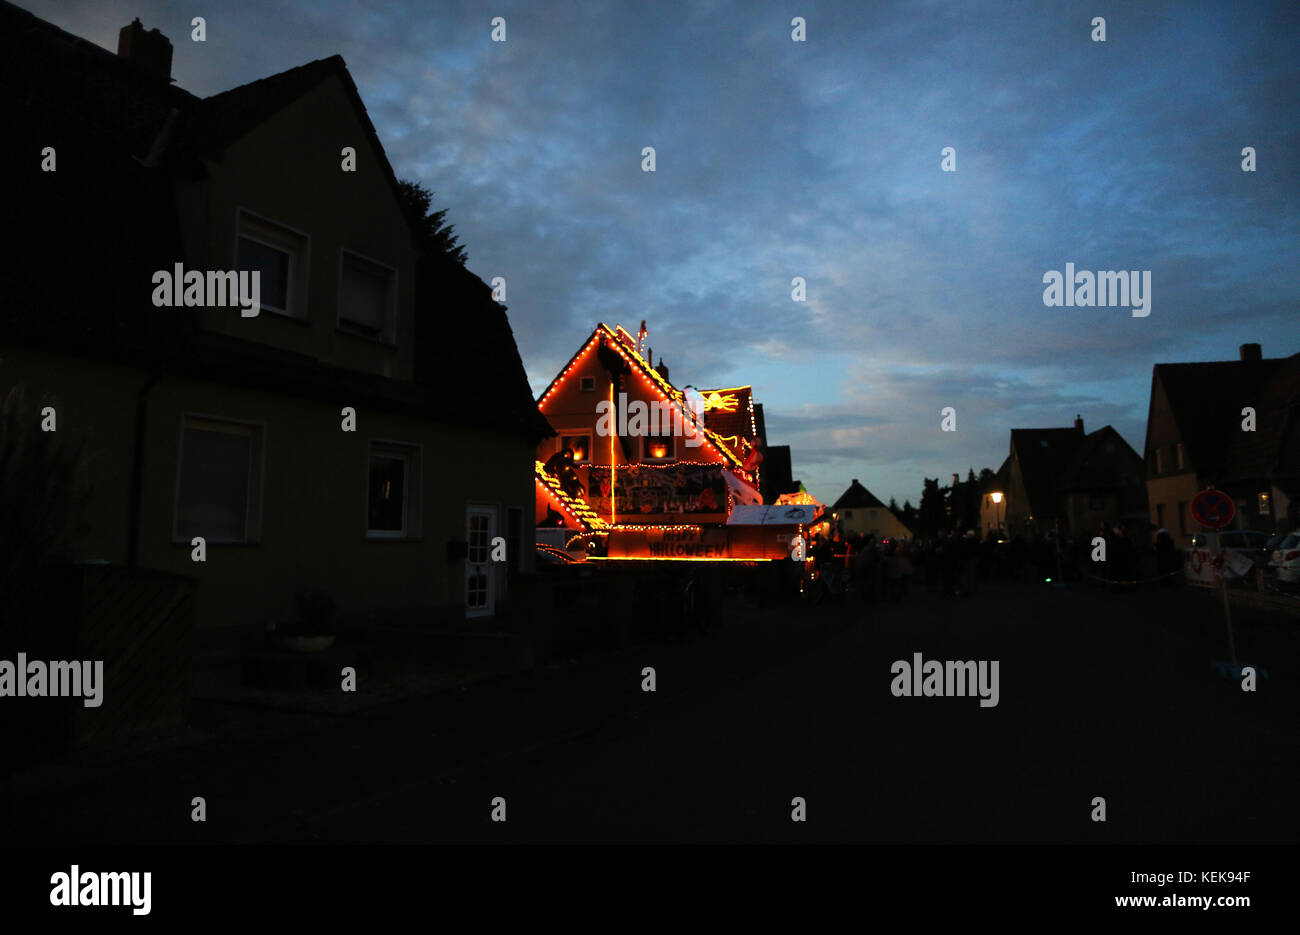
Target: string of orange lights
x,y
648,374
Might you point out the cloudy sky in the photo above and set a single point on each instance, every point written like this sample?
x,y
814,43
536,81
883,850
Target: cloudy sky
x,y
822,159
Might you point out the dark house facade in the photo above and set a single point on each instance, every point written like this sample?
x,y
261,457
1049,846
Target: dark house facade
x,y
1067,480
1233,424
321,444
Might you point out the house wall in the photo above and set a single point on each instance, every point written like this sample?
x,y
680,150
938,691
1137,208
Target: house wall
x,y
571,410
993,515
1016,509
1282,510
334,209
875,521
1175,492
1086,512
314,491
1245,495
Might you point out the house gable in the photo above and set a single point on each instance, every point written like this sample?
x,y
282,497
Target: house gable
x,y
330,220
571,409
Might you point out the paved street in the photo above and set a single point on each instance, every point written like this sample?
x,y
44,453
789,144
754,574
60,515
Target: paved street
x,y
1111,695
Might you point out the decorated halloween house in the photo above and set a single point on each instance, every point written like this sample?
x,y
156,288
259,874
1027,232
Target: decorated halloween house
x,y
640,469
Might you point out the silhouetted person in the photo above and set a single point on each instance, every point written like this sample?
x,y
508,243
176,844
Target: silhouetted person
x,y
969,551
1125,557
949,559
1166,558
866,569
1019,553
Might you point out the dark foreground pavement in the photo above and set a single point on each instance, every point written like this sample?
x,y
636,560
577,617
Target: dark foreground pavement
x,y
1110,695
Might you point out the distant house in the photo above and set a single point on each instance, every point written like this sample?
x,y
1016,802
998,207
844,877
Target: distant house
x,y
327,442
993,498
1198,435
1068,480
859,512
1103,483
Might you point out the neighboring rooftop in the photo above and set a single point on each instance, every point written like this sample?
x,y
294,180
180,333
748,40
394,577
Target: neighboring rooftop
x,y
856,496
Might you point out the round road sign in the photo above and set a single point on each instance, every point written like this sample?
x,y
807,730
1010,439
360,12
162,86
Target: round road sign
x,y
1213,508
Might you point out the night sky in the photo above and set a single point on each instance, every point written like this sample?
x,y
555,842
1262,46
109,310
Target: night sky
x,y
821,159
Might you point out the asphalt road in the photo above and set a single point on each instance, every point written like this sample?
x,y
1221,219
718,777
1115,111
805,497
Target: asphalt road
x,y
1100,695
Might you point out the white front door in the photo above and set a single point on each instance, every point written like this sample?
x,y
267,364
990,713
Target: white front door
x,y
480,571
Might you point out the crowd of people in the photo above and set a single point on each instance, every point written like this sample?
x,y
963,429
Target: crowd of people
x,y
953,563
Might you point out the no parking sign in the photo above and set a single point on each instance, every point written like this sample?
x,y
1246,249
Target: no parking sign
x,y
1213,508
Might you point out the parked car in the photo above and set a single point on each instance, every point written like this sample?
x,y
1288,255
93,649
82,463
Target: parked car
x,y
1285,560
1232,552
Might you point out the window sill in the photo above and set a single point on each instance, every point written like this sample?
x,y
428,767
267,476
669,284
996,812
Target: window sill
x,y
206,541
369,339
279,315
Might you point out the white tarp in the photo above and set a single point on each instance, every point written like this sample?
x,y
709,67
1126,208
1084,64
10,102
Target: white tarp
x,y
742,492
772,515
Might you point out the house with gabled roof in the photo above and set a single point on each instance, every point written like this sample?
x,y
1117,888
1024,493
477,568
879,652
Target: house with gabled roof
x,y
1036,461
320,444
1103,483
1066,480
859,512
632,451
1233,424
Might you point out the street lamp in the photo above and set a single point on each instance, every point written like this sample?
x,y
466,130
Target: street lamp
x,y
997,500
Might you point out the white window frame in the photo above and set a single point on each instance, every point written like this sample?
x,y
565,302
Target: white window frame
x,y
256,479
286,239
493,593
412,509
388,327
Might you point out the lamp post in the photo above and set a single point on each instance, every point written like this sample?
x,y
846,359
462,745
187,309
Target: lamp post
x,y
997,502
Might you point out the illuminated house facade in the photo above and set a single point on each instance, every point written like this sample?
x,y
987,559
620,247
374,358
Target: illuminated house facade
x,y
637,462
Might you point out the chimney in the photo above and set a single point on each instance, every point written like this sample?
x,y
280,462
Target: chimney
x,y
954,480
855,480
1078,423
663,371
150,51
1252,352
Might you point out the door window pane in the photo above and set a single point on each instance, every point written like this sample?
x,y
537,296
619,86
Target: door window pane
x,y
478,538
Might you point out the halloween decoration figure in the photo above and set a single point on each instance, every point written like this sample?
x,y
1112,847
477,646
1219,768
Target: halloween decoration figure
x,y
552,520
560,465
